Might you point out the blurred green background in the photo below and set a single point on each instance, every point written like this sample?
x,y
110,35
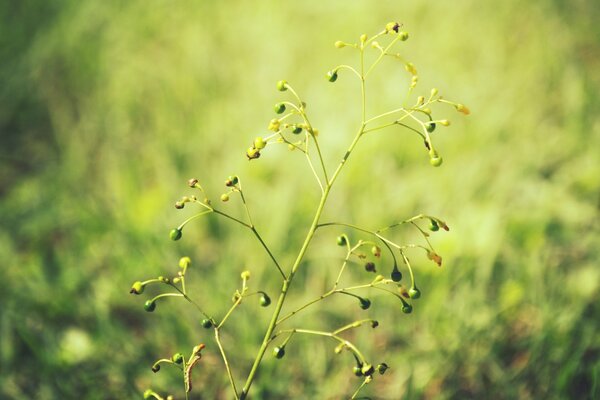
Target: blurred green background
x,y
107,108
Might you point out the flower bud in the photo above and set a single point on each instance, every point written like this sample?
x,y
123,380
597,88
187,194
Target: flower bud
x,y
430,126
192,182
341,240
224,197
260,143
463,109
434,92
150,305
445,122
279,352
410,67
137,288
403,36
376,251
407,308
339,44
245,275
297,130
435,159
426,110
175,234
274,125
357,370
206,323
252,153
282,86
185,262
363,37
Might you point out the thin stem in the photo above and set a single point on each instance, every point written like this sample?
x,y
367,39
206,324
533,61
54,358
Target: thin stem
x,y
227,367
365,381
264,245
389,46
185,296
233,307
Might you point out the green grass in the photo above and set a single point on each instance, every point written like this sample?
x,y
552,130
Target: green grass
x,y
107,108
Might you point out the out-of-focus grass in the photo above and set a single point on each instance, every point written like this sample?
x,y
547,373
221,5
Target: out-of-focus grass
x,y
106,108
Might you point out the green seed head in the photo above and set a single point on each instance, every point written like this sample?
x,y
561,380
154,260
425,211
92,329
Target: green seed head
x,y
206,323
279,352
357,370
175,234
150,305
137,288
341,240
279,108
414,293
297,130
364,303
339,44
265,300
403,36
430,126
433,226
282,86
332,76
407,308
436,161
224,197
177,358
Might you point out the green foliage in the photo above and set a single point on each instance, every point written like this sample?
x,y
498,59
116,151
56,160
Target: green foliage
x,y
105,106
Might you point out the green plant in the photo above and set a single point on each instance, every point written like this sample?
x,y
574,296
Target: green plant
x,y
286,130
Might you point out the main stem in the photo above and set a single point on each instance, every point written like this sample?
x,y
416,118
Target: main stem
x,y
309,236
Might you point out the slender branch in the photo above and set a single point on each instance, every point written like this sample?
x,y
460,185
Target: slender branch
x,y
227,367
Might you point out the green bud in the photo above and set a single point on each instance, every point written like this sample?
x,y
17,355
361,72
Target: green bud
x,y
137,288
332,76
177,358
279,108
224,197
282,86
175,234
260,143
403,36
185,262
206,323
430,126
150,305
433,226
341,240
297,130
407,308
179,205
436,161
265,300
252,153
364,303
339,44
414,293
279,352
192,182
357,370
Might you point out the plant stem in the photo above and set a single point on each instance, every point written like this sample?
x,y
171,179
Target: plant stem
x,y
227,367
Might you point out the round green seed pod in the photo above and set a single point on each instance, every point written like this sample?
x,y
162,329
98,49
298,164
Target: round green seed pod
x,y
433,226
430,126
297,130
341,240
279,108
414,293
260,143
206,323
436,161
364,303
265,300
278,352
407,308
396,275
224,197
282,86
357,370
332,76
175,234
150,305
403,36
177,358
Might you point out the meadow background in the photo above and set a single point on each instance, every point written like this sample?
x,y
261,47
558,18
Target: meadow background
x,y
107,108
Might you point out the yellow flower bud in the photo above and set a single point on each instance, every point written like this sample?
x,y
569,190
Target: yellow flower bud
x,y
339,44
